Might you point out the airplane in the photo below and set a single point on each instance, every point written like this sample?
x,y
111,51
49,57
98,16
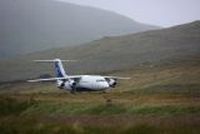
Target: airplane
x,y
75,83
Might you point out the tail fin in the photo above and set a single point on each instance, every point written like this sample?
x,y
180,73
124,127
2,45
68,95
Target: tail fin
x,y
59,70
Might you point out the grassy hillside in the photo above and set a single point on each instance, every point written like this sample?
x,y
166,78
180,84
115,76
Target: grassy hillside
x,y
33,25
159,99
153,48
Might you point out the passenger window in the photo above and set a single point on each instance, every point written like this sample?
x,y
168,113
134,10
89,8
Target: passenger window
x,y
100,80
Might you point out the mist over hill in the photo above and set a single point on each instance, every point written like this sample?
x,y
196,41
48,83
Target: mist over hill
x,y
35,25
153,48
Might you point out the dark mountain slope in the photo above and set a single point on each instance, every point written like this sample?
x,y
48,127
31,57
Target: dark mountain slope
x,y
167,46
31,25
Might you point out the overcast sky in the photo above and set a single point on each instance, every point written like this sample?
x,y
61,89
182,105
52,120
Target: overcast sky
x,y
157,12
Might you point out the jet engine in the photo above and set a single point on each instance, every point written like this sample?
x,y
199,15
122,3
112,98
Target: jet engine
x,y
60,84
112,83
72,83
69,84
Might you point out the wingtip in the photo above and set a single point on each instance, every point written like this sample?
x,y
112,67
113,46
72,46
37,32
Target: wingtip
x,y
54,60
31,81
126,78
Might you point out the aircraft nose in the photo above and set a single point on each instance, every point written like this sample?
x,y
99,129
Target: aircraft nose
x,y
105,85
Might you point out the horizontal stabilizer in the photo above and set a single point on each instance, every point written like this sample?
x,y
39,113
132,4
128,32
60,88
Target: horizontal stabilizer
x,y
53,61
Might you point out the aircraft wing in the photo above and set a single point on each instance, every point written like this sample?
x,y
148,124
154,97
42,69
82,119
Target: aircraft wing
x,y
116,77
55,79
47,79
74,77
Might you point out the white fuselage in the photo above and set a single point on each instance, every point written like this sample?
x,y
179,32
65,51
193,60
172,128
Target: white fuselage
x,y
89,82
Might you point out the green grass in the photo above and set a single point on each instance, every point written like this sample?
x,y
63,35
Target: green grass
x,y
165,110
10,106
32,126
27,107
21,114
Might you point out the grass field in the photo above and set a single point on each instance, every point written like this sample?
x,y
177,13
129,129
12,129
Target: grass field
x,y
158,99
